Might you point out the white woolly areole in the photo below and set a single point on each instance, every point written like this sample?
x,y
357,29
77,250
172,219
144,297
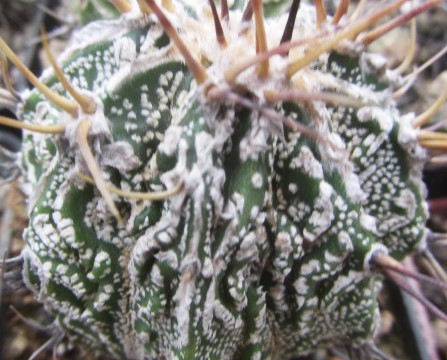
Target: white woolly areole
x,y
375,248
382,117
408,138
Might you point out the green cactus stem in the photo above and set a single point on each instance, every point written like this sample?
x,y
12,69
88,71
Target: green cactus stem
x,y
262,246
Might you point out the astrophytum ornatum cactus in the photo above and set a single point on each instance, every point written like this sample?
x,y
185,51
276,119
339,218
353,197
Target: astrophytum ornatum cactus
x,y
214,200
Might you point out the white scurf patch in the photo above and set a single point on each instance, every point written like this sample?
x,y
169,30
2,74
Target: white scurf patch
x,y
311,267
256,180
307,163
382,117
171,139
102,257
61,269
323,214
293,188
253,144
368,222
406,200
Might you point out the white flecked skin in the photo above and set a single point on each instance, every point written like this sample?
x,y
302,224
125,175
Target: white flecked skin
x,y
264,253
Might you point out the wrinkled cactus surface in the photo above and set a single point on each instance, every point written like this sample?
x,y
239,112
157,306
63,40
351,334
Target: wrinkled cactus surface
x,y
262,249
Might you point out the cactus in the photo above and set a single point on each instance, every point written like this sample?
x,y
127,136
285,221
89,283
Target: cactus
x,y
91,10
204,197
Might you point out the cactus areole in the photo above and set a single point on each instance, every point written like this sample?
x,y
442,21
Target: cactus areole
x,y
263,247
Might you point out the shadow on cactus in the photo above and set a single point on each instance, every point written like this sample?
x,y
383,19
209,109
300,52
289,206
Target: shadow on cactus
x,y
221,186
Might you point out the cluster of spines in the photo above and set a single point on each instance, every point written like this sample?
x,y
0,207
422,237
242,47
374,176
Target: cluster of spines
x,y
350,31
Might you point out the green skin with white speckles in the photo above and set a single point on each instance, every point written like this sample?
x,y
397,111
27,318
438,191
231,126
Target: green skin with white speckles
x,y
262,254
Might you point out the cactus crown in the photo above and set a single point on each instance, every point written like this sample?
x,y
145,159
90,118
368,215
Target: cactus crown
x,y
219,188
